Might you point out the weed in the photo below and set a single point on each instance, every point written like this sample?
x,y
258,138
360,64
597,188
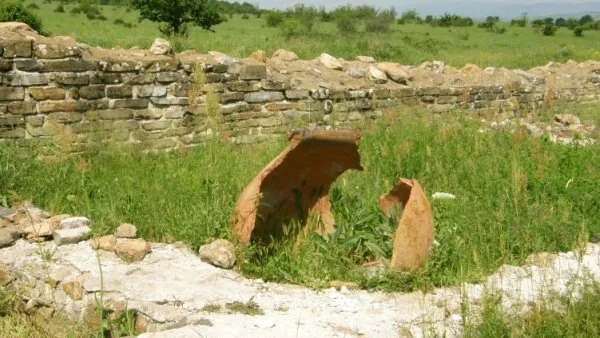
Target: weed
x,y
212,307
250,308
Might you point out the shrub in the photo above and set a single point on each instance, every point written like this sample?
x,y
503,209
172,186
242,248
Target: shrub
x,y
274,18
289,29
578,31
33,5
549,30
60,9
14,11
381,22
409,17
346,25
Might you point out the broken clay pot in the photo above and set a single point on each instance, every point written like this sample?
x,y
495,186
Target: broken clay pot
x,y
294,187
414,235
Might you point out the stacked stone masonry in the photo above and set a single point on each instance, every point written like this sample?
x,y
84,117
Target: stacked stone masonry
x,y
58,89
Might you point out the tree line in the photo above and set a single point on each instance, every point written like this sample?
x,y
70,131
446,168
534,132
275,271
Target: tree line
x,y
175,16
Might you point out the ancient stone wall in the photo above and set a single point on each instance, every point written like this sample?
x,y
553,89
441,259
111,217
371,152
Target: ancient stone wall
x,y
58,89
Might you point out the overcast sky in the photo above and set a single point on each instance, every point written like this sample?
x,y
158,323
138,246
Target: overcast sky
x,y
476,8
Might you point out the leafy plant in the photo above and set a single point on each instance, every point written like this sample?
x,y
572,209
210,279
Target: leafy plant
x,y
175,15
15,11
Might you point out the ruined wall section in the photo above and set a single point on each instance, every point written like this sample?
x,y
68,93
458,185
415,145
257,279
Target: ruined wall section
x,y
57,89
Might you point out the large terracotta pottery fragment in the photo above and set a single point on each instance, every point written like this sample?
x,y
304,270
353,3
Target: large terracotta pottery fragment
x,y
414,236
294,187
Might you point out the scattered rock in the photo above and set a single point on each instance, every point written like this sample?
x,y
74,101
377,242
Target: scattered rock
x,y
5,277
283,55
45,312
126,230
438,66
377,75
141,323
219,253
43,229
57,219
8,236
161,47
223,58
356,72
6,212
71,236
443,196
394,71
542,259
132,250
330,61
259,55
534,130
595,238
264,323
74,222
366,59
106,243
73,289
567,119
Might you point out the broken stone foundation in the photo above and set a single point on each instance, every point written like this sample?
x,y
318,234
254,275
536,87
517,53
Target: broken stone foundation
x,y
177,295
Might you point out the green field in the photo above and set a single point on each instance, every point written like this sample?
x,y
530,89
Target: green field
x,y
410,44
513,197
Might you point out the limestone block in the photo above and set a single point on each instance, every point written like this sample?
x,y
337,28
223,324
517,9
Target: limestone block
x,y
11,93
179,101
161,47
91,92
73,289
253,72
17,48
115,114
106,243
73,80
219,253
11,121
128,103
23,108
259,97
27,79
132,250
120,91
244,86
296,94
65,117
330,62
74,222
275,85
283,55
377,75
68,66
150,90
71,235
47,93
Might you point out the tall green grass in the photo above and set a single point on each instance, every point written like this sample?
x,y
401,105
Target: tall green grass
x,y
516,195
408,44
562,317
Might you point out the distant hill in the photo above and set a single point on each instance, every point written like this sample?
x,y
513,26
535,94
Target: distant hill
x,y
595,15
477,9
480,10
